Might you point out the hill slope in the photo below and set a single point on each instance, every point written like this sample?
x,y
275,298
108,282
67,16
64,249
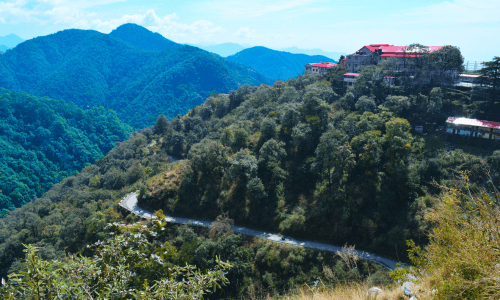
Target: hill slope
x,y
94,69
43,141
142,38
275,64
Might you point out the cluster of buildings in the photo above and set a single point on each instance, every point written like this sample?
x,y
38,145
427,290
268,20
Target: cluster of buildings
x,y
375,53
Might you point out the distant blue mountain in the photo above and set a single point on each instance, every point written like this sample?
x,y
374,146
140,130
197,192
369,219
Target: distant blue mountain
x,y
224,49
10,41
315,51
3,48
141,38
276,64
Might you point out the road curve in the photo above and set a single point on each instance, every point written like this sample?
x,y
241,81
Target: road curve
x,y
130,203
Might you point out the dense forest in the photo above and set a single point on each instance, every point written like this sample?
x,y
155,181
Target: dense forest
x,y
278,65
78,211
92,69
45,140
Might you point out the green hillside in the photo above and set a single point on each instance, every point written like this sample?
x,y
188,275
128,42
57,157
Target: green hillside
x,y
276,64
45,140
91,69
295,158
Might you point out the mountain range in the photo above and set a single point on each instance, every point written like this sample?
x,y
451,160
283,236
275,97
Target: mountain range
x,y
276,64
315,51
227,49
132,71
10,41
224,49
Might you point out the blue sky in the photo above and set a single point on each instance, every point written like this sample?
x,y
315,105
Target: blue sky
x,y
340,26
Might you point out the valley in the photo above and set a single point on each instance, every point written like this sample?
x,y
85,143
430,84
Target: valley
x,y
115,147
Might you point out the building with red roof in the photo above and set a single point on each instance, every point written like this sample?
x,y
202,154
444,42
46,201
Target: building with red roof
x,y
472,127
375,53
318,68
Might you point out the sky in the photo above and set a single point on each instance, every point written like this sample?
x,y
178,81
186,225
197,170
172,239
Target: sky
x,y
331,25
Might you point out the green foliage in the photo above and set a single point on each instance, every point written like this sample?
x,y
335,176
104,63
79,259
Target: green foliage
x,y
44,141
128,265
462,259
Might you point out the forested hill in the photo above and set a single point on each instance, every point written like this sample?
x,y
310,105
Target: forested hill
x,y
142,38
90,69
43,141
276,64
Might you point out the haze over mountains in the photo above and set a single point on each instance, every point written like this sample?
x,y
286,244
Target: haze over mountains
x,y
275,64
227,49
9,41
224,49
129,76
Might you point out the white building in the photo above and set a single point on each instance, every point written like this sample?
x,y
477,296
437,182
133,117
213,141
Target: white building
x,y
318,68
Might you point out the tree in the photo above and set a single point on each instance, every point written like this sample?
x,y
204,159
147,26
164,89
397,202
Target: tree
x,y
336,77
491,77
396,104
461,259
132,264
444,65
161,125
365,103
334,158
435,103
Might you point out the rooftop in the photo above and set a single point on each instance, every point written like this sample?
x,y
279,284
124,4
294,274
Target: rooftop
x,y
398,51
473,122
323,64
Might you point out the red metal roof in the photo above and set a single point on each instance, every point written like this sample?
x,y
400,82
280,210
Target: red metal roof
x,y
323,65
391,49
351,74
473,122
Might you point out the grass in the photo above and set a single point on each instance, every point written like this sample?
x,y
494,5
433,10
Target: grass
x,y
354,291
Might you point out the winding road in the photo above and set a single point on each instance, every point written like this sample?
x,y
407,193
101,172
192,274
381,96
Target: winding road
x,y
130,203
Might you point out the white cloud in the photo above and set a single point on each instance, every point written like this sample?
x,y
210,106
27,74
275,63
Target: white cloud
x,y
243,10
166,25
79,14
245,32
49,11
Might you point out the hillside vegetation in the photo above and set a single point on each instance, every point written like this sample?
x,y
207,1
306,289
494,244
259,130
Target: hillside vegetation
x,y
91,69
45,140
77,212
276,64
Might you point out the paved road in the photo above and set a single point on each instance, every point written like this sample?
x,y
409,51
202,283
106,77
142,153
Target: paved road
x,y
130,203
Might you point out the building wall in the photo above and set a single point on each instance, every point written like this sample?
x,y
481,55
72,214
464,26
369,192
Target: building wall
x,y
474,131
